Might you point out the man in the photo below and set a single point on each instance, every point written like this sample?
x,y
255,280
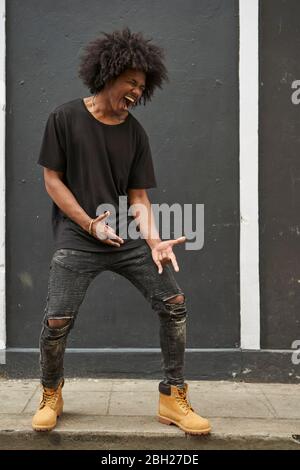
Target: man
x,y
94,152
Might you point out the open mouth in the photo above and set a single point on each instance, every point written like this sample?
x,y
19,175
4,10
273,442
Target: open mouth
x,y
128,101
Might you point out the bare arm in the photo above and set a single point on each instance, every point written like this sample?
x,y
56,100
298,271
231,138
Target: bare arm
x,y
64,198
162,251
68,204
139,199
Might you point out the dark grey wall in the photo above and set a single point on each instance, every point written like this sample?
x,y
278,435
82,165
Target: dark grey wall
x,y
193,129
279,173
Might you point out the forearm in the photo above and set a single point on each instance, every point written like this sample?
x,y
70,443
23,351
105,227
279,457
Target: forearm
x,y
68,204
146,221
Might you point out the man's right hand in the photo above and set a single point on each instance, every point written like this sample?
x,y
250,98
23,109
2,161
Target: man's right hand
x,y
105,233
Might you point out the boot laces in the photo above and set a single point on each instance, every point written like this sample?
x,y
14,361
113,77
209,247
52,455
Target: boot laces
x,y
183,401
49,398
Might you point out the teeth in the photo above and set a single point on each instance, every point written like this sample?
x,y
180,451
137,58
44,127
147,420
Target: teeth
x,y
129,98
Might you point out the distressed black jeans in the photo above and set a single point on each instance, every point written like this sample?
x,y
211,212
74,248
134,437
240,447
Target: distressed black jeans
x,y
71,272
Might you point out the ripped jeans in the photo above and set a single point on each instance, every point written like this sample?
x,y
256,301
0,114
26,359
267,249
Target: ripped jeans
x,y
71,272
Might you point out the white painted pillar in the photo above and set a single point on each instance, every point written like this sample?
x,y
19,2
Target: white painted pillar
x,y
249,233
2,184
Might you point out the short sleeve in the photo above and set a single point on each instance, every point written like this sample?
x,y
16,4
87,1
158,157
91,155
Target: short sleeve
x,y
142,173
52,154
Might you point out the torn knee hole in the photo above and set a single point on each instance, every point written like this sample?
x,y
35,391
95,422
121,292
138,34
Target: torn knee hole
x,y
177,299
58,322
176,306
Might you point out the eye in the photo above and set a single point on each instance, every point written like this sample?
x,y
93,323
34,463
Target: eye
x,y
134,83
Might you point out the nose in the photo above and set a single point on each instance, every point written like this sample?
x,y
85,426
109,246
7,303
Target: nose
x,y
137,92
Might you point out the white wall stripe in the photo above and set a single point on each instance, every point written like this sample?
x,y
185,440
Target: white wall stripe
x,y
2,182
249,241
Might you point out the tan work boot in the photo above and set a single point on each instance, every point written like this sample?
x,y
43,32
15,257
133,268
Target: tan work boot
x,y
51,407
174,408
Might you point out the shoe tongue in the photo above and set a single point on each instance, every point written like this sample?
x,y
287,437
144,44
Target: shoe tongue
x,y
182,391
183,388
49,391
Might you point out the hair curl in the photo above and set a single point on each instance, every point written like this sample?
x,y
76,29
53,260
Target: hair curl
x,y
106,58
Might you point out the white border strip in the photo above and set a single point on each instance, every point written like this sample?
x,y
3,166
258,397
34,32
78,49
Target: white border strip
x,y
249,233
2,183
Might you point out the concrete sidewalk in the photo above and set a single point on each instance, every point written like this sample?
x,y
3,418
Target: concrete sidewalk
x,y
121,414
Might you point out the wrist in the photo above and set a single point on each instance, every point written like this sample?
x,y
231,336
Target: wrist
x,y
153,243
90,229
86,224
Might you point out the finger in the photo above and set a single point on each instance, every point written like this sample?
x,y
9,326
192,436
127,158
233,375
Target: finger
x,y
117,239
174,262
113,236
103,216
160,257
111,233
178,241
110,242
158,264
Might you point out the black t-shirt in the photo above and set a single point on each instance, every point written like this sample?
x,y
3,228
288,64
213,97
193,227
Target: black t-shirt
x,y
100,163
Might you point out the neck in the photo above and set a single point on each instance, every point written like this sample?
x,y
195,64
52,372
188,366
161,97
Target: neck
x,y
101,107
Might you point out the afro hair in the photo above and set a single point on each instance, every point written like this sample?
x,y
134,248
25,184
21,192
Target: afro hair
x,y
105,58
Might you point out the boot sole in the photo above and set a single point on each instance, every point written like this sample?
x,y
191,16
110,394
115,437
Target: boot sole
x,y
45,428
164,420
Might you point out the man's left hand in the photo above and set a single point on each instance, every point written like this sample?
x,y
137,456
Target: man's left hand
x,y
162,253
